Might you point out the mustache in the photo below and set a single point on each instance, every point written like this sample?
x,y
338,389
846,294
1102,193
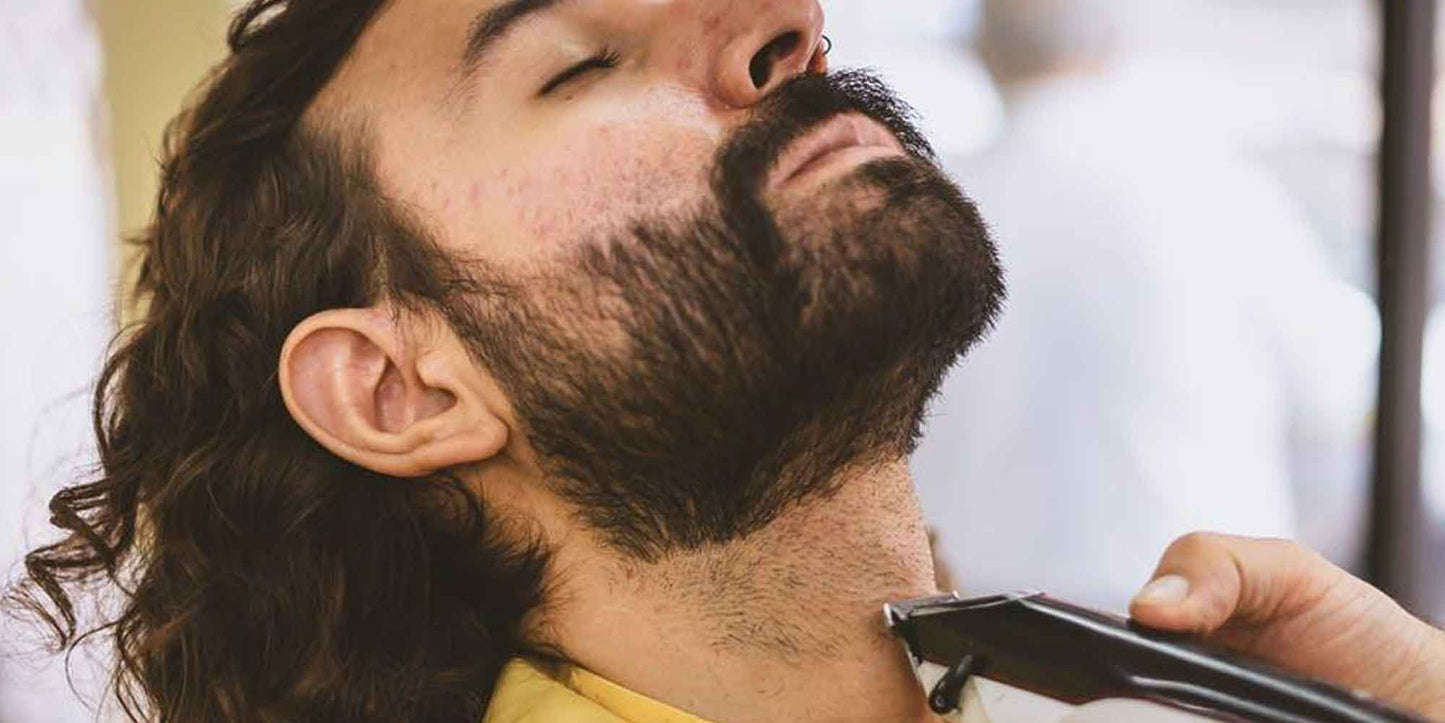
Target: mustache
x,y
798,107
790,112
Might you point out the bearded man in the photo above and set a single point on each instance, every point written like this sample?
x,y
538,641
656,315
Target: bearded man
x,y
543,360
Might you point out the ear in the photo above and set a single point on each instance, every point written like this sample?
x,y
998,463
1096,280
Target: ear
x,y
401,400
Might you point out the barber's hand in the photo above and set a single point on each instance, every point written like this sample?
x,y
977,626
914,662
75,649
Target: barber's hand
x,y
1281,603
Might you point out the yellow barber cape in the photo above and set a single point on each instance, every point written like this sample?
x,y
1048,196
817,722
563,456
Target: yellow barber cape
x,y
528,694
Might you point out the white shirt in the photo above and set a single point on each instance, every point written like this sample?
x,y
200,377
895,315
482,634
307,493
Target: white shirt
x,y
55,266
1172,345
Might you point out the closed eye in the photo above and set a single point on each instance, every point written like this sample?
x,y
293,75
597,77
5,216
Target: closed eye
x,y
601,61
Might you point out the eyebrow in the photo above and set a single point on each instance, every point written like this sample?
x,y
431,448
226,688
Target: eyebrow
x,y
490,27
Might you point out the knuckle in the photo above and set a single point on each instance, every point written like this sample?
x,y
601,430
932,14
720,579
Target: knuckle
x,y
1193,544
1292,553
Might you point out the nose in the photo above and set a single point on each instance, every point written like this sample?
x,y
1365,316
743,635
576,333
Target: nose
x,y
775,40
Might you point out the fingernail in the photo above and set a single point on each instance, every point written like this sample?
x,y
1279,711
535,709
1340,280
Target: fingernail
x,y
1166,590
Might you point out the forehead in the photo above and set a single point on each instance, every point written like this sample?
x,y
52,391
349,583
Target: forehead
x,y
405,55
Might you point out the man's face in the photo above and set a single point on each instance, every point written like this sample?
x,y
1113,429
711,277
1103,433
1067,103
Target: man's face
x,y
518,169
716,275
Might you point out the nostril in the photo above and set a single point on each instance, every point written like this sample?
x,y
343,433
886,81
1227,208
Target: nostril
x,y
766,59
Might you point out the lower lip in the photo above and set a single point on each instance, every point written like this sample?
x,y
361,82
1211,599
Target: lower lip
x,y
848,156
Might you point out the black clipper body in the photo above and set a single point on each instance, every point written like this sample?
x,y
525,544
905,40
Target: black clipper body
x,y
1078,656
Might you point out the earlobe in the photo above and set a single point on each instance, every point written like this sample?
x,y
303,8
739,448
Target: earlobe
x,y
400,402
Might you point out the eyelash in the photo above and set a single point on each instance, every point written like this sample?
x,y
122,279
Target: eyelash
x,y
601,61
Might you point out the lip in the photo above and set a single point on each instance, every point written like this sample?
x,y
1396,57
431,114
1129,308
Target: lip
x,y
847,137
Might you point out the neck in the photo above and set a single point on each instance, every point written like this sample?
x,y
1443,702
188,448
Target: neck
x,y
786,624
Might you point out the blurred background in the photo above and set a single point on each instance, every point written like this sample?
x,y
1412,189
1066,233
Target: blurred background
x,y
1184,193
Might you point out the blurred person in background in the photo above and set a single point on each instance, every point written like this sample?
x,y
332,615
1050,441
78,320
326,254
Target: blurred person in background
x,y
1175,349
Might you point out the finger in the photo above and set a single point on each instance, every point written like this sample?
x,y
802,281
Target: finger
x,y
1206,580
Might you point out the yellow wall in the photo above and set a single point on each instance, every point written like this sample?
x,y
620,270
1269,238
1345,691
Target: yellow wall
x,y
156,51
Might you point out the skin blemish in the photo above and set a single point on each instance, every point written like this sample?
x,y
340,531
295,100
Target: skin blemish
x,y
476,195
544,228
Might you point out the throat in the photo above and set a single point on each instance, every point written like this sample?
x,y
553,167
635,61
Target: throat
x,y
785,624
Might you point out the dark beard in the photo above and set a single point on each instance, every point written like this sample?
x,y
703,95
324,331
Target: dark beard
x,y
687,383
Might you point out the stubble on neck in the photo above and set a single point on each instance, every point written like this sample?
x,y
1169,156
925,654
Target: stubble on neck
x,y
783,624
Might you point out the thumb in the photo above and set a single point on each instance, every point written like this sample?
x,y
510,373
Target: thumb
x,y
1206,580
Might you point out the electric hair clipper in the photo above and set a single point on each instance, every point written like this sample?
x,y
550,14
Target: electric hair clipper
x,y
1062,656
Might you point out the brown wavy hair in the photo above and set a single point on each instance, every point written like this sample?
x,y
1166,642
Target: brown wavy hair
x,y
256,576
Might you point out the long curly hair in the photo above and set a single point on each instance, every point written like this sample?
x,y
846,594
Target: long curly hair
x,y
258,577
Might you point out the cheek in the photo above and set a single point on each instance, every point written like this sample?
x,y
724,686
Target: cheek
x,y
603,180
567,181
